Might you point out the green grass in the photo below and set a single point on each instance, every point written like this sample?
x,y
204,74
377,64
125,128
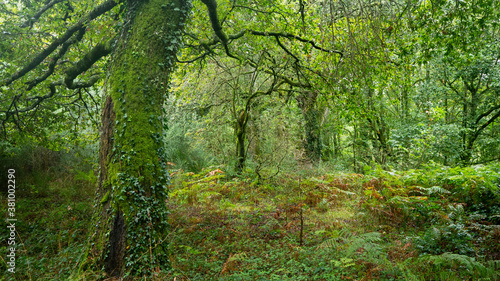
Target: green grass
x,y
52,213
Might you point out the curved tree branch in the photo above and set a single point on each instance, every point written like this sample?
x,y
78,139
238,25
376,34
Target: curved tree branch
x,y
285,49
99,51
214,20
295,37
216,26
476,134
99,10
29,22
54,60
39,99
487,113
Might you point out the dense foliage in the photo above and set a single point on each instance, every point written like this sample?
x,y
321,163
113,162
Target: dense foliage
x,y
253,139
437,223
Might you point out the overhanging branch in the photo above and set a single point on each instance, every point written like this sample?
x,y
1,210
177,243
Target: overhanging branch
x,y
99,51
483,126
487,113
295,37
38,14
224,39
99,10
53,61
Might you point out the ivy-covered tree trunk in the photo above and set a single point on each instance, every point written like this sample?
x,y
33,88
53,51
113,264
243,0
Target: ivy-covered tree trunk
x,y
240,132
312,144
131,221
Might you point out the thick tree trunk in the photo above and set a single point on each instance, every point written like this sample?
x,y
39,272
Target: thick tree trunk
x,y
131,220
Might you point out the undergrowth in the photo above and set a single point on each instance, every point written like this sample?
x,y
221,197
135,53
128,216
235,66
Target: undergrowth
x,y
54,191
437,223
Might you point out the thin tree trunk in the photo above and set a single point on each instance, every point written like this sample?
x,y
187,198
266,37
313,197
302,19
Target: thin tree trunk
x,y
312,143
240,150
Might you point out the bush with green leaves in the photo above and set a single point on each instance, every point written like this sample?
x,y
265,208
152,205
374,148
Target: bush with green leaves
x,y
181,150
452,238
478,187
449,209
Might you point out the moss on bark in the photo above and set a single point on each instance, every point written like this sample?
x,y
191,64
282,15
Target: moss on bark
x,y
131,224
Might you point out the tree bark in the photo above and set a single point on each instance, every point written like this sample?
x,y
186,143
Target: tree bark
x,y
240,130
381,136
131,217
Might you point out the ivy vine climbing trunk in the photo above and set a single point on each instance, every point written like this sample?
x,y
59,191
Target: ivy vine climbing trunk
x,y
131,219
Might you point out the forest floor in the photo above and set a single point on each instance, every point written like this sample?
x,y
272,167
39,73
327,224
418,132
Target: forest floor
x,y
312,226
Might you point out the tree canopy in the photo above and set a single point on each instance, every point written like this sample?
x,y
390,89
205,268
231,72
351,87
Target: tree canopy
x,y
256,86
